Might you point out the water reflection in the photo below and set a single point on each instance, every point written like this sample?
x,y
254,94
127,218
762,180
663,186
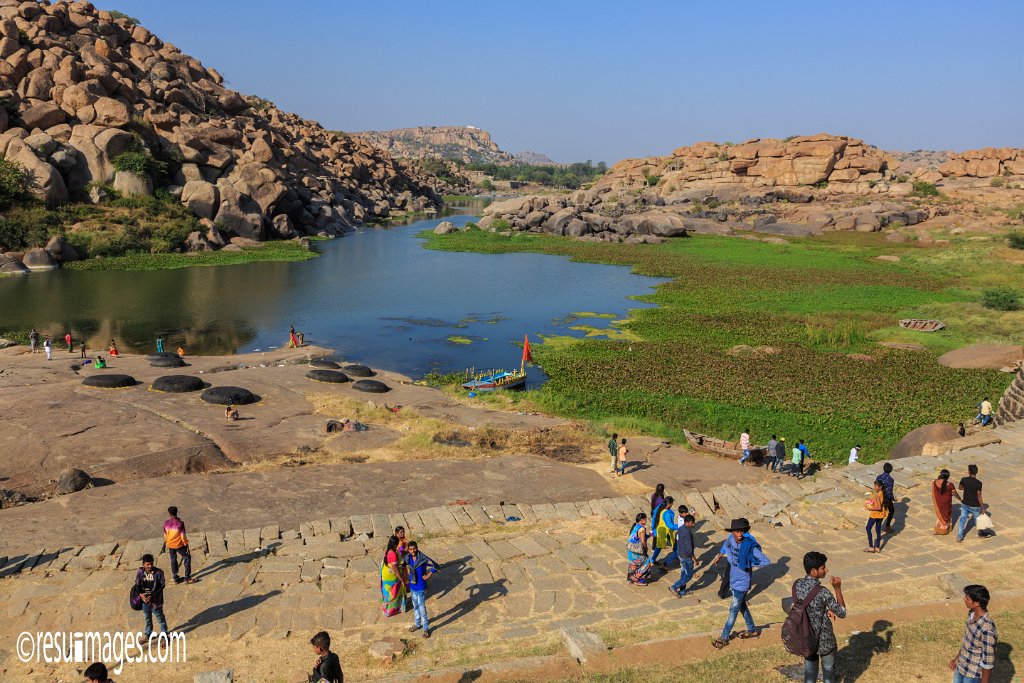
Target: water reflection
x,y
376,296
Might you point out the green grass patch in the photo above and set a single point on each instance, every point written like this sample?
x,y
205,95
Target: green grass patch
x,y
269,251
816,300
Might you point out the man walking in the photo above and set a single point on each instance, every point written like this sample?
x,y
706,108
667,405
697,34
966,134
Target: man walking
x,y
742,551
150,582
623,453
685,553
67,340
769,461
33,340
888,485
613,451
854,455
780,454
745,445
176,543
822,608
977,656
48,348
971,504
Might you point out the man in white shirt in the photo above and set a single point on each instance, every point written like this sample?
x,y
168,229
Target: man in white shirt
x,y
854,454
745,445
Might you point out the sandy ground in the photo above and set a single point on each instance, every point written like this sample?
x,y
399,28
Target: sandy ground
x,y
983,357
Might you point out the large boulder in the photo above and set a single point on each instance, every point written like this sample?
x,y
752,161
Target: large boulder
x,y
46,181
201,198
39,259
111,112
445,228
238,214
913,443
132,184
9,266
97,147
42,115
59,248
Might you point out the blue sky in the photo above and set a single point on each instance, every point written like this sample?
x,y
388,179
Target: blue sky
x,y
609,80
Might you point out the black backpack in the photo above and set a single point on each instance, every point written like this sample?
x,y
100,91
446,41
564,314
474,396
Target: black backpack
x,y
797,635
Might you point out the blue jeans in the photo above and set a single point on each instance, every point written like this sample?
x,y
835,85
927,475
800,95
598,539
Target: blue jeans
x,y
622,467
965,512
877,524
149,610
685,574
746,455
828,668
738,606
419,609
960,678
186,560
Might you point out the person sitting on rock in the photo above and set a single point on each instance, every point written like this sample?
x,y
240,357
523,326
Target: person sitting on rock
x,y
230,414
99,363
112,351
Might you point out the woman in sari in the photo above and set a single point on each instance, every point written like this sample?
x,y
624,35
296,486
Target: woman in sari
x,y
403,542
392,580
639,571
942,498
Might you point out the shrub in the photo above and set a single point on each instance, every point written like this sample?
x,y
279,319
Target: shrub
x,y
1016,213
1000,299
789,138
121,15
1016,239
712,203
821,184
15,183
997,182
651,180
487,184
501,224
902,178
924,189
135,162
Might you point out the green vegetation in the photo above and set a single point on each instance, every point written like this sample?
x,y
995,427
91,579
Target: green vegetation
x,y
568,177
997,182
820,303
1015,239
269,251
924,189
486,184
14,185
1000,299
121,15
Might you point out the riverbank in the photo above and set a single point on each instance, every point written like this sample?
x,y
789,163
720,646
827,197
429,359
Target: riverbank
x,y
782,337
267,251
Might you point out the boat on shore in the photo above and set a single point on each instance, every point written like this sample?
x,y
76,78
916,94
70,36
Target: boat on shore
x,y
728,449
492,380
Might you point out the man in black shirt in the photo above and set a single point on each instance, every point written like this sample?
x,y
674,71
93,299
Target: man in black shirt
x,y
327,668
972,503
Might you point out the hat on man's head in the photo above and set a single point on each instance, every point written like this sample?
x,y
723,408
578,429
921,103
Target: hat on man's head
x,y
740,524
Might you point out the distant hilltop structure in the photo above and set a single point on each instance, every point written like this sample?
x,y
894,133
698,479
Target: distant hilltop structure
x,y
467,144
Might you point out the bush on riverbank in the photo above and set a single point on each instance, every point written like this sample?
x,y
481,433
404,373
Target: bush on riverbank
x,y
268,251
728,292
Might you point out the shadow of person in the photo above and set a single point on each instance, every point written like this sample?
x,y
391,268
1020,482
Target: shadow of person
x,y
853,660
705,572
449,576
767,575
226,562
1004,671
227,609
480,593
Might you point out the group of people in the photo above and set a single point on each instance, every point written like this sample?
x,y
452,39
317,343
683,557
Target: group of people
x,y
404,572
295,339
619,455
774,455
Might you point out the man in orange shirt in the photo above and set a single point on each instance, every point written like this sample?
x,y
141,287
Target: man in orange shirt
x,y
177,544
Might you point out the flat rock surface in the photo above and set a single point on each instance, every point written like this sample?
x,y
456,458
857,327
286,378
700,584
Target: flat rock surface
x,y
983,357
291,496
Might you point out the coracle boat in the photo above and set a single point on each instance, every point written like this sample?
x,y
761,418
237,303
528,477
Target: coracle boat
x,y
728,449
492,380
922,325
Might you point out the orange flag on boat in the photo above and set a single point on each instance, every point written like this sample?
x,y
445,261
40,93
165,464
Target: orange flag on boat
x,y
527,356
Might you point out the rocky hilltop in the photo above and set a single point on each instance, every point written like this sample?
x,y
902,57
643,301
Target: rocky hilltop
x,y
81,88
797,186
459,143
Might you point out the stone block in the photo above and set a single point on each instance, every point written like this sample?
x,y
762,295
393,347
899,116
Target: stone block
x,y
342,525
952,585
477,514
221,676
382,528
582,645
361,524
567,511
270,533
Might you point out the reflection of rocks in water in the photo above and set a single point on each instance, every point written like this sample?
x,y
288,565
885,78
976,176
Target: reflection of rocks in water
x,y
424,322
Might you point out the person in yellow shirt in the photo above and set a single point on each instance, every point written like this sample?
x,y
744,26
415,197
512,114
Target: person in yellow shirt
x,y
176,543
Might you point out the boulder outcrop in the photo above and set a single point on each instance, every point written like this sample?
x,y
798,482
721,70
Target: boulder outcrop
x,y
987,162
89,87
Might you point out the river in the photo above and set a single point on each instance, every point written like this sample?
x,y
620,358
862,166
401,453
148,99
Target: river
x,y
376,296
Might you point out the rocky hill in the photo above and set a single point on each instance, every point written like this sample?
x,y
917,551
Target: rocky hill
x,y
458,143
920,158
535,159
92,101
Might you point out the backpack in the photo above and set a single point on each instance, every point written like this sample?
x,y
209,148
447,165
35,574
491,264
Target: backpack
x,y
135,598
797,635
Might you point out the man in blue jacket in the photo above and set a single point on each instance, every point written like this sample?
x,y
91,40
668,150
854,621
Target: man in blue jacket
x,y
743,553
420,569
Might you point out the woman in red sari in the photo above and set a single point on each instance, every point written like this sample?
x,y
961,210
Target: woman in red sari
x,y
942,498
